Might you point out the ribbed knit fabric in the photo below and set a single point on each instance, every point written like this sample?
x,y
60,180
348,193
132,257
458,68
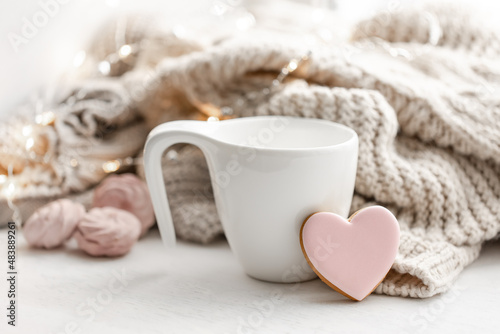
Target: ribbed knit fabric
x,y
418,86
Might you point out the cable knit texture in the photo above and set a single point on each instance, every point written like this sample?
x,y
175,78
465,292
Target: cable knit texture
x,y
419,86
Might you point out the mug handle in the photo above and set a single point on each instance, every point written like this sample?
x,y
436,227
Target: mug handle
x,y
159,139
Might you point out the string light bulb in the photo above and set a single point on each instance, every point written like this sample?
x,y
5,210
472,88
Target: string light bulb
x,y
27,130
30,142
245,21
9,190
46,118
292,65
172,155
104,67
111,166
125,51
79,58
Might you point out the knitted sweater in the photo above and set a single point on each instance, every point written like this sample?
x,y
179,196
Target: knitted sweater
x,y
417,86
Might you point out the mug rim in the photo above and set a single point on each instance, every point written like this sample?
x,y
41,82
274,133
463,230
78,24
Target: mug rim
x,y
353,138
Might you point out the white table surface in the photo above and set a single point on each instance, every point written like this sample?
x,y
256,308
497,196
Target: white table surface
x,y
202,289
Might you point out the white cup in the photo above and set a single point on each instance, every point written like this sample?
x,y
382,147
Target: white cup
x,y
268,175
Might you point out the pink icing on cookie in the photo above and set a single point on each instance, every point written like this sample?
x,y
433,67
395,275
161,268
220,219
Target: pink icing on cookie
x,y
51,225
129,193
352,256
107,232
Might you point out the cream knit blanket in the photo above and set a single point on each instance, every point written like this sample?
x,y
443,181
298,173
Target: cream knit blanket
x,y
418,86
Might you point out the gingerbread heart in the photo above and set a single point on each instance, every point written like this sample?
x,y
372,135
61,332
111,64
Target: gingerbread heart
x,y
352,256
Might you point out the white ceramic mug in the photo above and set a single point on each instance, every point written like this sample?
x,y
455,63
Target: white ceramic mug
x,y
268,174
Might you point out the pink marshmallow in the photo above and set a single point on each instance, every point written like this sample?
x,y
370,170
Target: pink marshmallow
x,y
107,232
129,193
51,225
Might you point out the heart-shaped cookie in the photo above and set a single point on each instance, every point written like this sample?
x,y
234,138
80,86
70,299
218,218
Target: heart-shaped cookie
x,y
352,256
